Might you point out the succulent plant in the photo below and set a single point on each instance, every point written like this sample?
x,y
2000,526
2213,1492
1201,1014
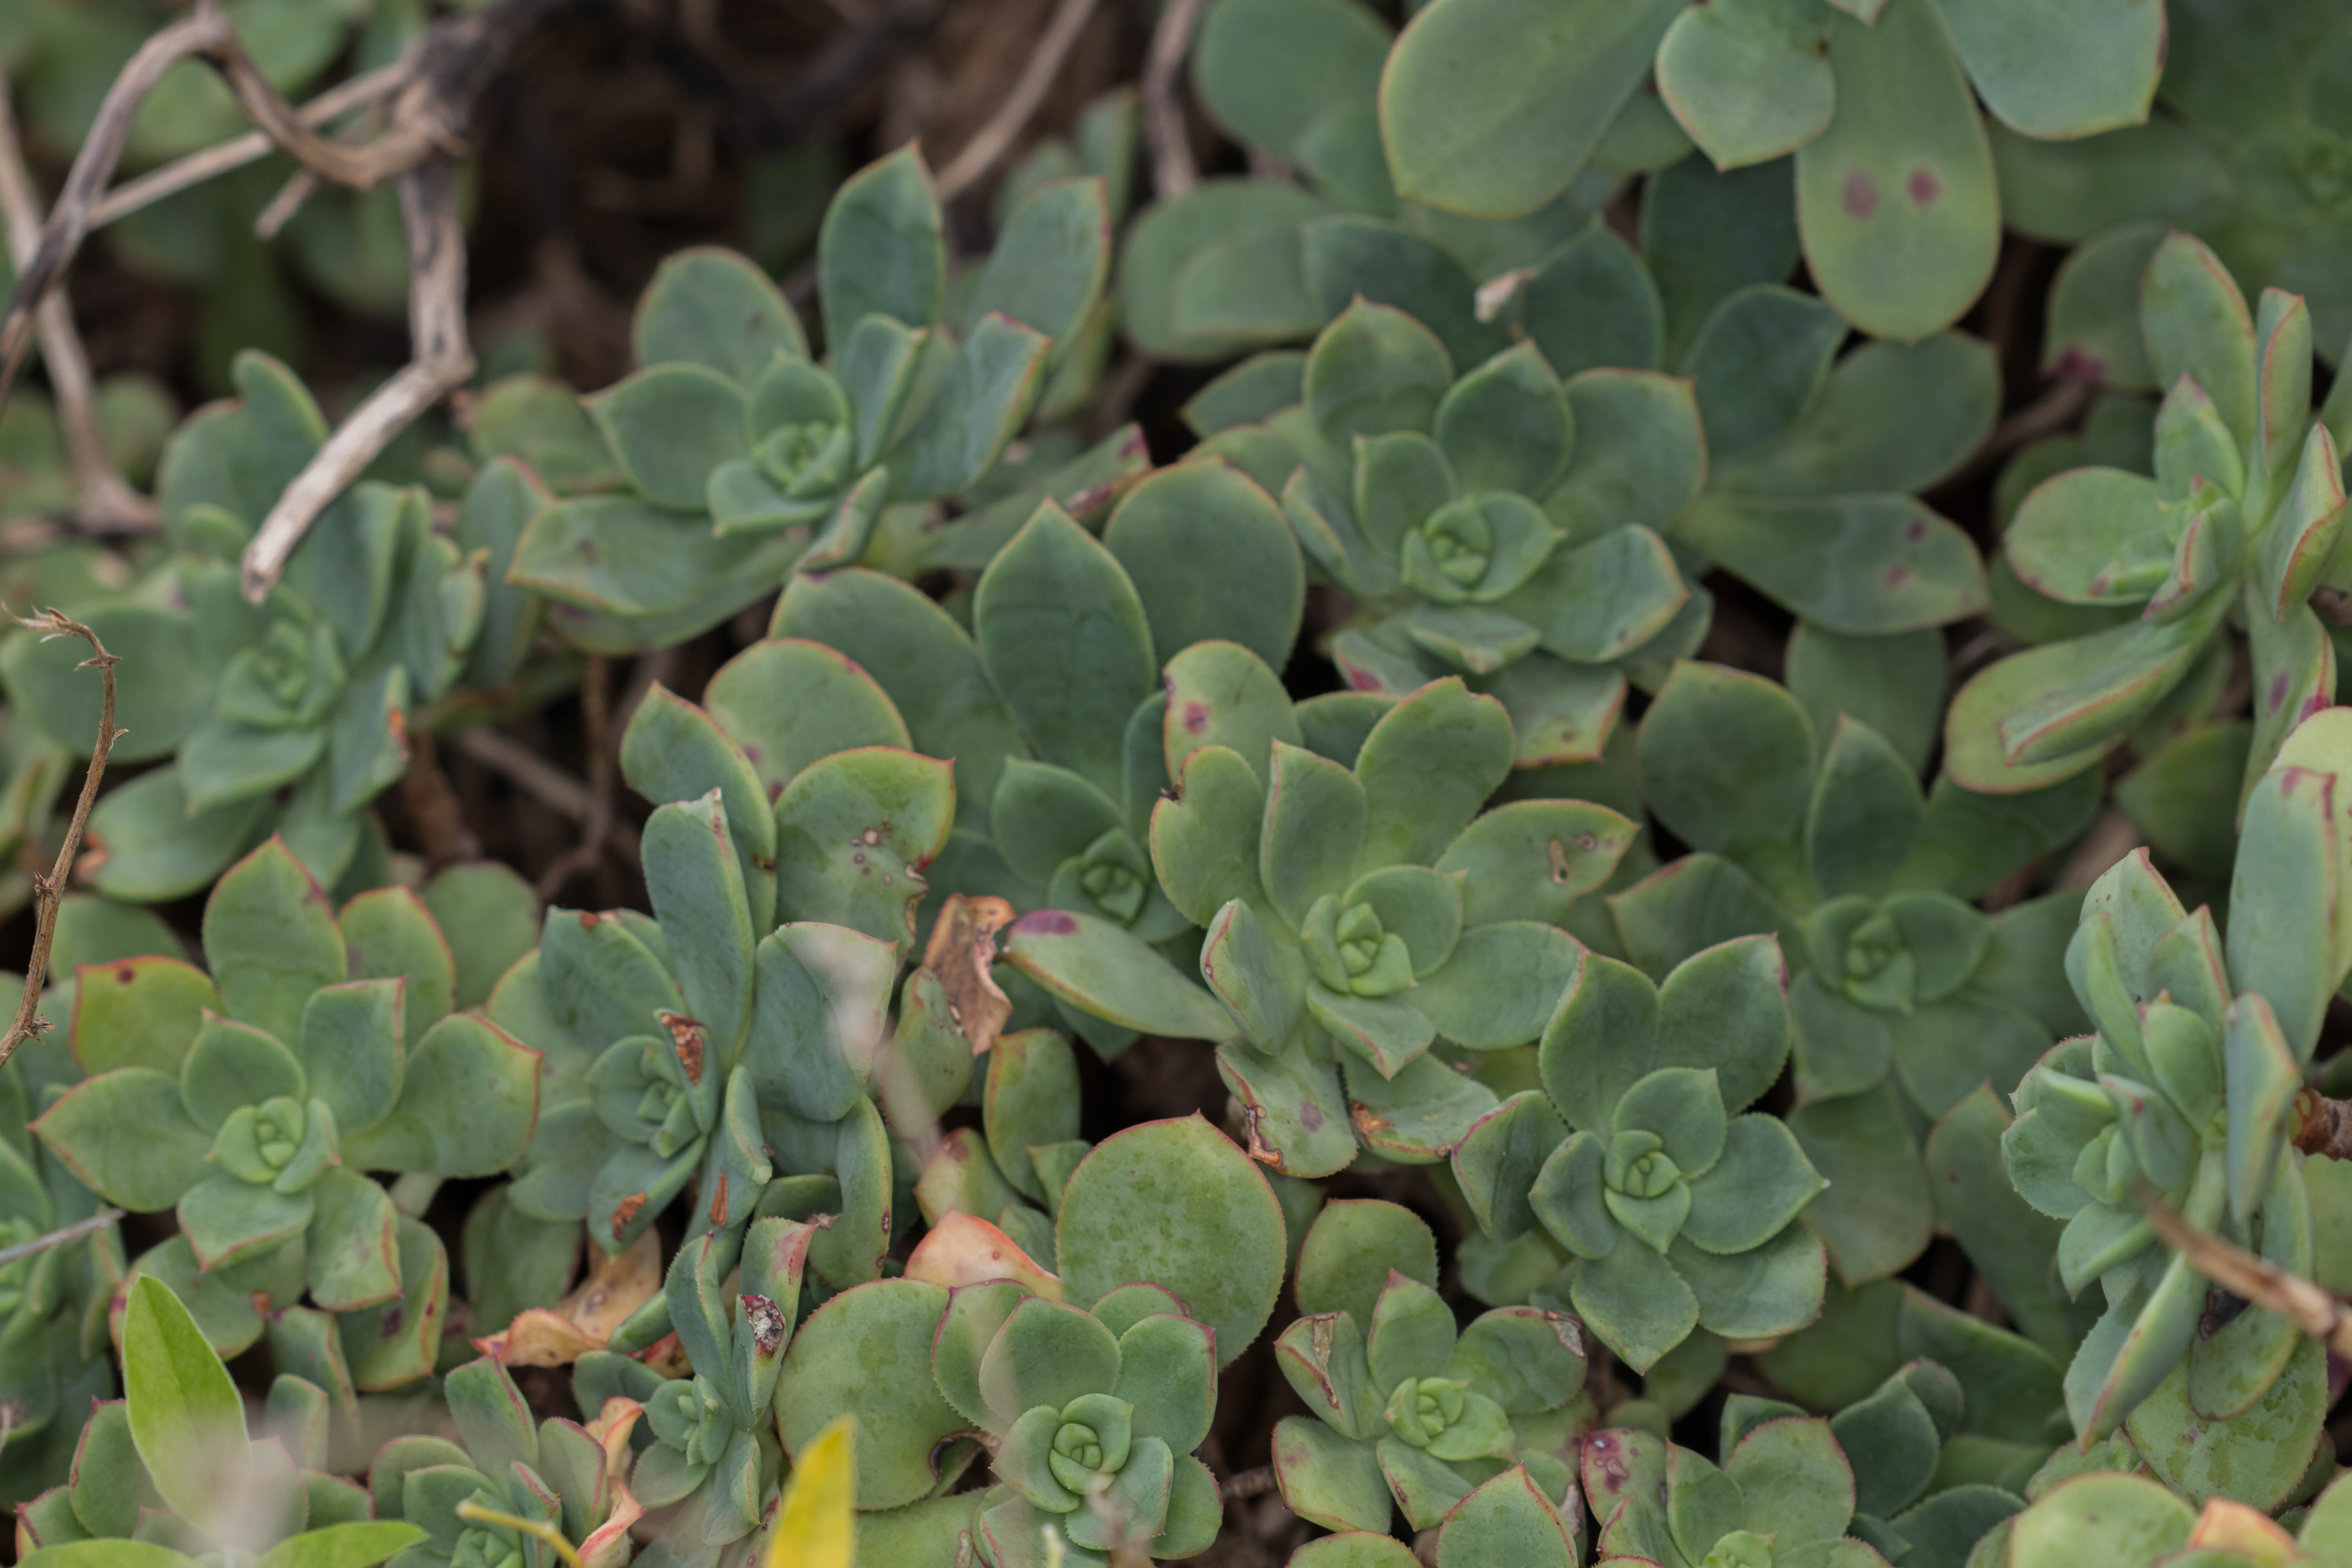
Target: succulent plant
x,y
1405,1406
1895,191
1815,462
250,1100
554,1473
289,717
1867,1348
2190,1088
1911,1488
817,1183
1784,1494
1093,1417
1676,1212
1169,1243
742,461
1358,908
1235,264
172,1465
716,1043
2135,1521
2237,525
1010,1170
708,1440
2249,157
1051,703
1903,985
1473,530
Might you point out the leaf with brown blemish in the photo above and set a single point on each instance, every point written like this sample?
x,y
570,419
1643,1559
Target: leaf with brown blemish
x,y
584,1319
962,952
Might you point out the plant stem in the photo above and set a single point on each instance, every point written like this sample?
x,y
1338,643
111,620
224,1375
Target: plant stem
x,y
49,892
102,1220
2322,1126
2266,1284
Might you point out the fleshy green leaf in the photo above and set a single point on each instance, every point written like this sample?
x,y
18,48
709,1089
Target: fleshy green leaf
x,y
185,1415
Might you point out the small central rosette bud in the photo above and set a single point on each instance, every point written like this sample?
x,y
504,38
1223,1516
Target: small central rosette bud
x,y
1891,955
1644,1188
1078,1457
1877,967
1352,950
287,681
1459,542
281,1143
810,459
1740,1549
1065,1456
1441,1415
657,1092
1477,549
692,1417
1117,876
487,1546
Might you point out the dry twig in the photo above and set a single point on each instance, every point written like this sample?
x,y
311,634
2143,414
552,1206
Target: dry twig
x,y
426,117
48,891
2045,415
2308,1306
1248,1484
434,807
102,1220
282,206
92,167
225,157
1174,170
443,360
542,781
595,712
107,499
979,154
2322,1126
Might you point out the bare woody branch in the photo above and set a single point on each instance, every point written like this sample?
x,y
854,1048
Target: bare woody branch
x,y
234,154
92,168
981,153
544,782
107,499
1174,171
48,891
103,1219
596,714
443,360
426,115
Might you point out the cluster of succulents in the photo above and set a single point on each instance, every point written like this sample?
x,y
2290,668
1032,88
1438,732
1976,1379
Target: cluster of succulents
x,y
1520,864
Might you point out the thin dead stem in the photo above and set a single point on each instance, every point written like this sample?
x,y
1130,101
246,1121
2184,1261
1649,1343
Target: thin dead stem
x,y
92,167
431,96
225,157
1248,1484
2047,416
443,360
105,1219
48,891
2322,1126
542,781
1174,170
596,712
434,807
980,154
2308,1306
107,498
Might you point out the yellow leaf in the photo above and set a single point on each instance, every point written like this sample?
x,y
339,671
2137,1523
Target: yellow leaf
x,y
815,1524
